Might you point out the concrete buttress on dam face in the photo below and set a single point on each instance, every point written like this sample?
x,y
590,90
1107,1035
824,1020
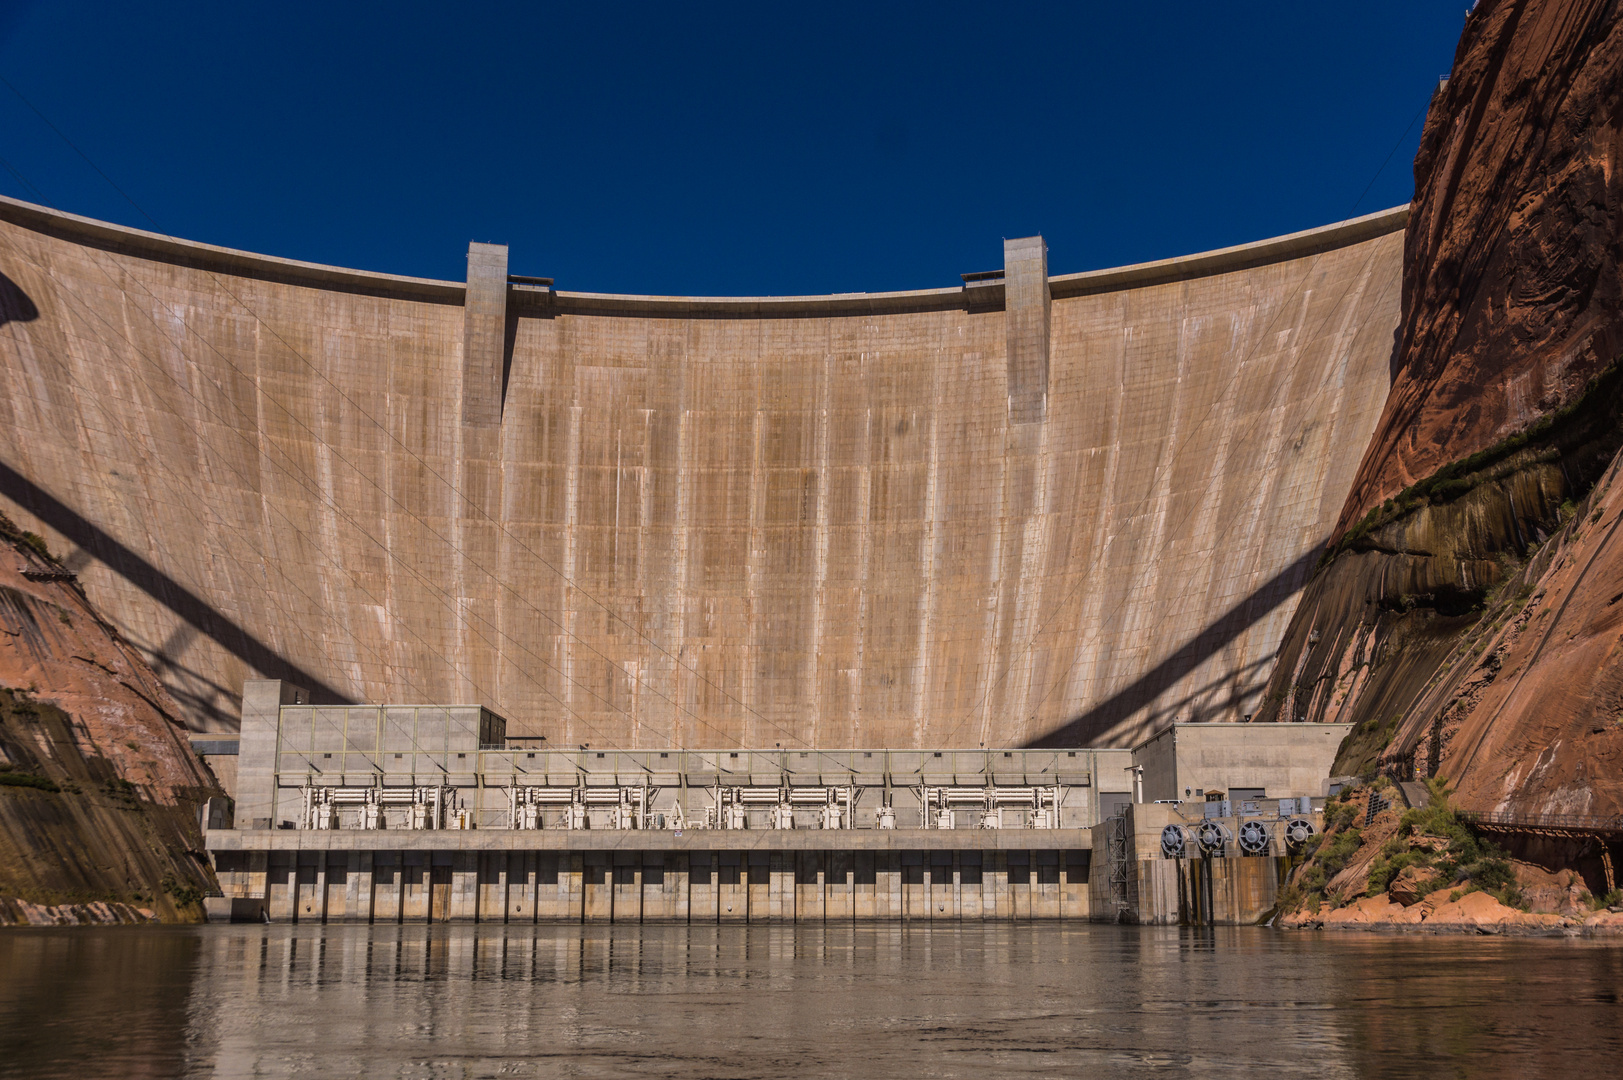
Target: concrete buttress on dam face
x,y
866,520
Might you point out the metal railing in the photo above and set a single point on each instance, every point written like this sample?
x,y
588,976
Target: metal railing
x,y
1586,824
701,768
693,788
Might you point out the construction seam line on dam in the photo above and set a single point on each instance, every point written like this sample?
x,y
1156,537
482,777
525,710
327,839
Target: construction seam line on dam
x,y
1031,510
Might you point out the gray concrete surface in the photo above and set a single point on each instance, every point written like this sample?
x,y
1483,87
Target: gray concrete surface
x,y
1185,761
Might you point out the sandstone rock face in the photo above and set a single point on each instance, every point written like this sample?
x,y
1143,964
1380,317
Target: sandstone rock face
x,y
1527,717
1480,911
1605,922
1367,909
1470,629
1410,886
57,648
1376,622
1562,892
99,791
1513,293
95,913
1471,913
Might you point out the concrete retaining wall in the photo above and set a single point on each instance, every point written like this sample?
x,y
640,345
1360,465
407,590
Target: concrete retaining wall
x,y
1208,892
1227,888
654,886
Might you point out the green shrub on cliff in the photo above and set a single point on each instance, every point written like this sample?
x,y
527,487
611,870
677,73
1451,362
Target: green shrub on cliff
x,y
1393,859
1431,838
1590,417
27,780
1434,836
1335,855
184,893
1327,859
37,542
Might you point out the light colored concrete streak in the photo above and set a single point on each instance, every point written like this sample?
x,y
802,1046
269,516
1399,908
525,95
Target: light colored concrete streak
x,y
817,530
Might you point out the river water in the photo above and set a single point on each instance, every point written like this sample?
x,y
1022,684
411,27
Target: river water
x,y
974,1000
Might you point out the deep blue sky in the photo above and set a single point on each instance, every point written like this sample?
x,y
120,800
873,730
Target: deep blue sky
x,y
721,148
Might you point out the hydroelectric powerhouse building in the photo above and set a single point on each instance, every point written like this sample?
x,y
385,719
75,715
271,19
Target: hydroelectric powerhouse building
x,y
429,813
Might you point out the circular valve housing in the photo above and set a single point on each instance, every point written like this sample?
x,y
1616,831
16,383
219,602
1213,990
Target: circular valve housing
x,y
1255,838
1298,832
1172,842
1211,837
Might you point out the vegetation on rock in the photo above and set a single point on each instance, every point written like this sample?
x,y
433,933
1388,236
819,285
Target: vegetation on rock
x,y
1433,837
1429,848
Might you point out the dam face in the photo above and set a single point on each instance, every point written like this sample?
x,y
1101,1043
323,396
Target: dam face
x,y
1032,510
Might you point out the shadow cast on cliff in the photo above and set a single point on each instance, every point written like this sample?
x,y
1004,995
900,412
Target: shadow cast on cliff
x,y
1144,692
187,605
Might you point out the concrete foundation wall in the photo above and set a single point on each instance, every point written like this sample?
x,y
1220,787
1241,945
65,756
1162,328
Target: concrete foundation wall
x,y
1207,892
812,521
1226,888
653,886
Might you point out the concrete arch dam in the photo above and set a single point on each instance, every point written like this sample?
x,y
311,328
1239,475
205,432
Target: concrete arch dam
x,y
1027,510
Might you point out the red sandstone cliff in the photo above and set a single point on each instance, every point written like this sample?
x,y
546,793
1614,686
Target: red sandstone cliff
x,y
1468,618
1527,710
98,787
1512,292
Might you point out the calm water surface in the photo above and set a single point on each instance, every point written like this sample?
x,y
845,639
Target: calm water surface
x,y
800,1002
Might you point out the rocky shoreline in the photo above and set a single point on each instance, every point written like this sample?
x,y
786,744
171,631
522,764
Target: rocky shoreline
x,y
1473,913
14,912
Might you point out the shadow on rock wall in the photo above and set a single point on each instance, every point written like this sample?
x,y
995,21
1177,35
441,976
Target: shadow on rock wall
x,y
15,305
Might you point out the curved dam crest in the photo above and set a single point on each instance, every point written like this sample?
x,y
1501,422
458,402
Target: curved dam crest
x,y
1037,510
